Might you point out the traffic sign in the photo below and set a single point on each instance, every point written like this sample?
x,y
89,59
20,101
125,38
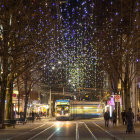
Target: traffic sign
x,y
117,98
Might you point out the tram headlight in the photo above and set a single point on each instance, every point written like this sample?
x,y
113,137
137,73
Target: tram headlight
x,y
67,114
57,114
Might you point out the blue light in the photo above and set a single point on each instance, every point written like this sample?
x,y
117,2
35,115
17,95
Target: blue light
x,y
62,100
73,10
116,13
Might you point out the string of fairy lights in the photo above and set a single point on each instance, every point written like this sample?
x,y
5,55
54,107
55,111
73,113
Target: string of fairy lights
x,y
77,37
70,34
78,47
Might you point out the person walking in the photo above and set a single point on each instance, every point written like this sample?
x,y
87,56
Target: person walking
x,y
129,119
138,116
114,117
33,114
106,118
123,114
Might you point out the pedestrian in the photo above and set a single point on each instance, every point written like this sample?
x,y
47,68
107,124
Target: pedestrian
x,y
106,118
38,116
13,115
44,114
33,114
123,117
41,114
129,119
20,114
138,116
114,117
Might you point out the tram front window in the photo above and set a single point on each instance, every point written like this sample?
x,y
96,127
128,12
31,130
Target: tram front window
x,y
62,107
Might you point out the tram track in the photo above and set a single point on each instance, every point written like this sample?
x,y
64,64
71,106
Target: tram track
x,y
31,132
113,137
77,131
41,132
57,130
11,138
95,138
52,130
97,132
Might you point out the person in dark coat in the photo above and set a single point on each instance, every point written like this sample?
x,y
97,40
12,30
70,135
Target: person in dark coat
x,y
129,119
138,116
33,114
129,115
123,117
114,117
106,118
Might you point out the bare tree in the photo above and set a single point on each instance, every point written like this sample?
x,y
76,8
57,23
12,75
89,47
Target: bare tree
x,y
115,46
22,34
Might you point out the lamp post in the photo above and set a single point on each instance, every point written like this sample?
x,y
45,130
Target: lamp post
x,y
50,107
63,91
50,100
59,62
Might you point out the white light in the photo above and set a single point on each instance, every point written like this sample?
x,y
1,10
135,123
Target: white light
x,y
57,124
53,68
67,114
57,114
59,62
69,80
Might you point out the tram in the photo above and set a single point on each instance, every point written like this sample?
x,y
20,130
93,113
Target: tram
x,y
67,109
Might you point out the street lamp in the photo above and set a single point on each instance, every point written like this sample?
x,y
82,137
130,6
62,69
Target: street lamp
x,y
50,106
53,68
59,62
63,90
50,102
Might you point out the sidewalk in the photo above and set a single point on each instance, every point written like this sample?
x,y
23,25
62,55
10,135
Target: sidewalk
x,y
120,131
29,123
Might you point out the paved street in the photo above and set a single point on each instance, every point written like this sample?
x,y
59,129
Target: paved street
x,y
50,129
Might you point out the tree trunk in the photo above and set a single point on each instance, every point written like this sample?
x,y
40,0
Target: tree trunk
x,y
2,103
26,98
3,91
18,86
9,106
25,107
127,97
18,102
127,85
